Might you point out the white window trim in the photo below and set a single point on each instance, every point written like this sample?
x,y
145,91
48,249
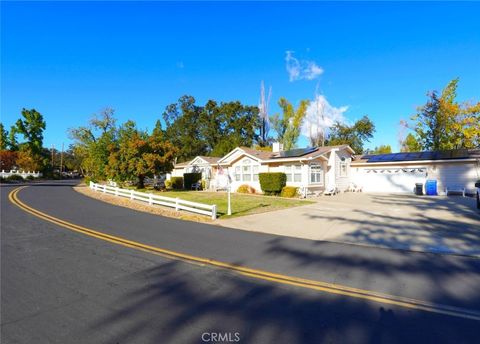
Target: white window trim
x,y
293,171
322,175
250,163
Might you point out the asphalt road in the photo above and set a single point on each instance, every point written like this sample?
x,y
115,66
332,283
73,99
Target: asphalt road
x,y
58,286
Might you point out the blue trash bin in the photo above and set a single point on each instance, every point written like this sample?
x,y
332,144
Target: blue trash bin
x,y
431,187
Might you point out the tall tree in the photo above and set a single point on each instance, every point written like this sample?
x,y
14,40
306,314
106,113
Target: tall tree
x,y
138,155
12,139
8,160
3,137
263,118
31,126
410,144
238,127
355,135
92,143
288,125
382,149
183,129
443,123
213,129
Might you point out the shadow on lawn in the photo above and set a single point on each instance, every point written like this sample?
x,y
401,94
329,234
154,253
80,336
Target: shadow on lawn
x,y
178,303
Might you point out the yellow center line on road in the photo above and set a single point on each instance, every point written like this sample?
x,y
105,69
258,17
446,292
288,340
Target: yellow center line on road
x,y
255,273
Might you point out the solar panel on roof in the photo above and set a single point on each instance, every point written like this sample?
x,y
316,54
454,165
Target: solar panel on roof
x,y
426,156
296,152
414,156
399,156
460,154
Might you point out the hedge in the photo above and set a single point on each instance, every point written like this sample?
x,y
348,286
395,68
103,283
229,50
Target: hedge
x,y
15,177
272,182
191,178
289,191
177,183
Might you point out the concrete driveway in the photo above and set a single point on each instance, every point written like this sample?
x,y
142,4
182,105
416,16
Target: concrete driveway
x,y
431,224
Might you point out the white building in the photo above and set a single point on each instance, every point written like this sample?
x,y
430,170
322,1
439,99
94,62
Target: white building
x,y
336,167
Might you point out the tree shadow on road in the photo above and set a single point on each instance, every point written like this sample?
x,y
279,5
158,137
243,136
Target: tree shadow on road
x,y
177,303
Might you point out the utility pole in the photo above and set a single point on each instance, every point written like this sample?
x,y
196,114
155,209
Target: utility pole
x,y
61,160
53,166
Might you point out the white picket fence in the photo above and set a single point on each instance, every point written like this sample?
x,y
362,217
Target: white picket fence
x,y
23,174
177,203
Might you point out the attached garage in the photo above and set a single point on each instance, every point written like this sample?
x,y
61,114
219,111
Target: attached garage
x,y
388,179
401,171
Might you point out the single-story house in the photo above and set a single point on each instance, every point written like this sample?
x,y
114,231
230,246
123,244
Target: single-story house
x,y
317,169
200,164
398,172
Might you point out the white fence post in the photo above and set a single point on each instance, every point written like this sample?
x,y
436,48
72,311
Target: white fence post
x,y
177,203
214,212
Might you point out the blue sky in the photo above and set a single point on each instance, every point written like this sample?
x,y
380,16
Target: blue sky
x,y
69,60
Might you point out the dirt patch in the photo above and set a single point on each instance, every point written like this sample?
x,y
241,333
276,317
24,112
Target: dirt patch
x,y
140,206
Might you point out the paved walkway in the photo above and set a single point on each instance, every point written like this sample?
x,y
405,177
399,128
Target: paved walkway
x,y
430,224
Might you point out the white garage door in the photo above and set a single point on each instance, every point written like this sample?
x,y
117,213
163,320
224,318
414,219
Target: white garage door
x,y
390,179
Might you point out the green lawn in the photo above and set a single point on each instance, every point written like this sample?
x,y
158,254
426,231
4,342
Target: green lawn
x,y
242,204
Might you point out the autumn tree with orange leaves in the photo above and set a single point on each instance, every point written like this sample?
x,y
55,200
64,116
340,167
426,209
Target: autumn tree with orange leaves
x,y
136,154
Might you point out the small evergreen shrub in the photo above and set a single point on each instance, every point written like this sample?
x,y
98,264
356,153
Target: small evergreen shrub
x,y
289,191
15,177
204,184
272,182
30,177
177,183
191,178
245,188
168,184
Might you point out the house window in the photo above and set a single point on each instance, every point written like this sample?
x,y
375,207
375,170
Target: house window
x,y
316,174
247,171
294,173
343,168
238,174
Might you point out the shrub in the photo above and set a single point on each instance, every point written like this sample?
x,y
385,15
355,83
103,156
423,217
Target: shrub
x,y
2,180
272,182
168,184
245,188
88,179
191,178
15,177
204,184
177,183
289,191
30,177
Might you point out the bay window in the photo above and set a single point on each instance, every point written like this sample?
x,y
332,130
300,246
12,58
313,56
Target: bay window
x,y
316,174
